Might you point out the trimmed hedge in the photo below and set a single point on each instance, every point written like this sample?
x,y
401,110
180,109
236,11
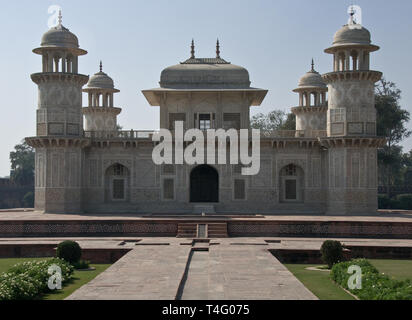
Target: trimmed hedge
x,y
28,280
400,202
375,285
405,201
69,251
332,252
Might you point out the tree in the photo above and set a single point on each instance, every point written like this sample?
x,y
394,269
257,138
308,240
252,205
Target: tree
x,y
290,123
22,165
391,123
391,118
274,120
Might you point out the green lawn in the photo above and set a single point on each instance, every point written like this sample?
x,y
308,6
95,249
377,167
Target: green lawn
x,y
79,278
398,269
318,282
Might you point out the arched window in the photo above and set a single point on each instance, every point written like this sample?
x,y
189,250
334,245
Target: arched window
x,y
117,183
342,61
354,56
291,184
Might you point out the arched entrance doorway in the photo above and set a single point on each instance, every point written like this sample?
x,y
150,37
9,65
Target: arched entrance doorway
x,y
204,184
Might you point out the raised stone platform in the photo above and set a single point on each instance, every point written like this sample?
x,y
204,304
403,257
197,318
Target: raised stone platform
x,y
386,225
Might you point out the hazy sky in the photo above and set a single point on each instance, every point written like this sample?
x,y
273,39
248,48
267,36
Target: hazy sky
x,y
274,40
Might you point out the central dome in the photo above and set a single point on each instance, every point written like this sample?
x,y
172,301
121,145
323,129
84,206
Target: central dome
x,y
205,73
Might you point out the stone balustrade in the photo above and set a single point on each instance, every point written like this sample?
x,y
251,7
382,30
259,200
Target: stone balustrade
x,y
147,134
129,134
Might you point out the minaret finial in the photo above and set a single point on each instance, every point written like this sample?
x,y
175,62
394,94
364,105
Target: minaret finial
x,y
192,52
313,65
101,66
60,17
217,49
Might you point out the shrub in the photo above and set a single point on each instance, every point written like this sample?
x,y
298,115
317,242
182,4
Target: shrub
x,y
405,201
28,200
395,204
375,286
81,265
384,202
332,252
69,251
28,280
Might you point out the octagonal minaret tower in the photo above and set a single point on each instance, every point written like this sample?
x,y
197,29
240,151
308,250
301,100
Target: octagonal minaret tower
x,y
60,138
351,107
351,123
311,112
101,115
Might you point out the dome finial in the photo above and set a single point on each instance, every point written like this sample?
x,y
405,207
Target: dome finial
x,y
60,17
101,66
217,49
313,66
192,52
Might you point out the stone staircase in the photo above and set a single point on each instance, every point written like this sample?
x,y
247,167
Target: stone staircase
x,y
187,230
202,230
217,230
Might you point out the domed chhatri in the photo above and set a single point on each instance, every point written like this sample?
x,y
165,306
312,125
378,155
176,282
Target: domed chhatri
x,y
355,34
101,115
311,112
60,37
311,79
101,80
352,35
311,85
205,73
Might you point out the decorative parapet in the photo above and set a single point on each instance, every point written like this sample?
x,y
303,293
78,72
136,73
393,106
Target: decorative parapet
x,y
354,142
93,110
59,76
298,110
368,75
58,142
294,134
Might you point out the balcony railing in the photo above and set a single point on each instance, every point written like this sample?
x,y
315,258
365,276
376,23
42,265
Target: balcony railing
x,y
130,134
147,134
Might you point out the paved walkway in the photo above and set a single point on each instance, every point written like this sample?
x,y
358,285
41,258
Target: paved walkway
x,y
146,273
227,271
